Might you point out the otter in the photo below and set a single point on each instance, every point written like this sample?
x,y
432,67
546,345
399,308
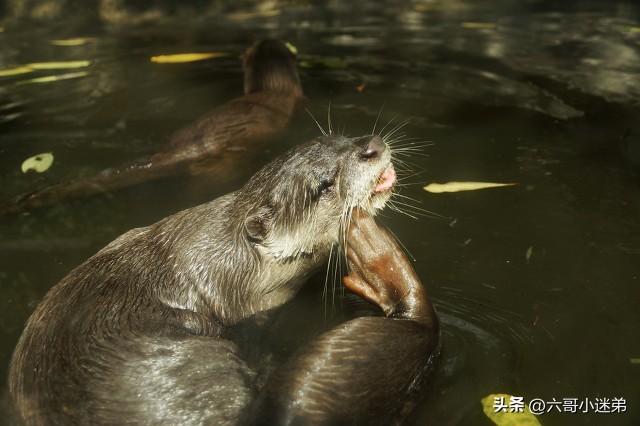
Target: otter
x,y
139,333
214,143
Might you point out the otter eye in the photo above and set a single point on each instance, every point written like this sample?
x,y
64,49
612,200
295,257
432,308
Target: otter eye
x,y
325,186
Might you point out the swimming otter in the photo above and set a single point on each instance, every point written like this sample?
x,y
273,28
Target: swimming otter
x,y
138,334
214,143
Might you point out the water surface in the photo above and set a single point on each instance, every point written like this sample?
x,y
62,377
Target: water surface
x,y
536,284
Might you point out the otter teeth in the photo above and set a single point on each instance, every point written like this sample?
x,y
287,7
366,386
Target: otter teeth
x,y
386,180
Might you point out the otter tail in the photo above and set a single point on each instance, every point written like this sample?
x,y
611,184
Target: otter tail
x,y
105,181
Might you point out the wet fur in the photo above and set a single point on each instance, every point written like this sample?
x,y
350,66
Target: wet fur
x,y
136,334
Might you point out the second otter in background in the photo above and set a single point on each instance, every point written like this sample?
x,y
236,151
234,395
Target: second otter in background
x,y
213,143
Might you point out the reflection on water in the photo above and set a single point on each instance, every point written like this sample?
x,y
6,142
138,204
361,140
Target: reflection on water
x,y
536,285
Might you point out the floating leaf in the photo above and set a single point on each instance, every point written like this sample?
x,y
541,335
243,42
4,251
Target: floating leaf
x,y
244,16
180,58
71,41
504,417
438,188
25,69
59,65
634,360
38,163
9,72
291,48
635,30
52,78
479,25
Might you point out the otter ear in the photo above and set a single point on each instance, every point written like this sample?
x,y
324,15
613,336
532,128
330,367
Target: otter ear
x,y
257,224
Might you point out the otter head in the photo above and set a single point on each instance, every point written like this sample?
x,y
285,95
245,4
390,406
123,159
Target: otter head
x,y
298,205
270,65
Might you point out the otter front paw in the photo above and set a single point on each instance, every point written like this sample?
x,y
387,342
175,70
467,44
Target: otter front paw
x,y
379,270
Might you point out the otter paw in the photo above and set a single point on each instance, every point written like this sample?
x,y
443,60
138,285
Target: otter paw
x,y
371,291
379,269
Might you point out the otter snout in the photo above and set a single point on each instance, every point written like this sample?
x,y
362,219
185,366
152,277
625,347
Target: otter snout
x,y
373,147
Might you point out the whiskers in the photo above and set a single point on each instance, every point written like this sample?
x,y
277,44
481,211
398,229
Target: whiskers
x,y
322,130
329,130
402,149
332,266
337,259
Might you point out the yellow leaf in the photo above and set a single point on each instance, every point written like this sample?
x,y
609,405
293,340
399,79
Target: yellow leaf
x,y
635,30
244,16
437,188
58,65
52,78
479,25
179,58
504,417
38,163
71,41
25,69
15,71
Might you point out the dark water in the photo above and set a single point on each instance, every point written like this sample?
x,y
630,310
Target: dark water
x,y
537,285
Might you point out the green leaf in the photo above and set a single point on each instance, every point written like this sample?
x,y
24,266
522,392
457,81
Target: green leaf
x,y
38,163
61,65
291,47
53,78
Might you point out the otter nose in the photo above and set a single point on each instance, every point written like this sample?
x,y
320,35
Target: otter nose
x,y
373,148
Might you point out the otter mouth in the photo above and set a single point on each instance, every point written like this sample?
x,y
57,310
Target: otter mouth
x,y
385,180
